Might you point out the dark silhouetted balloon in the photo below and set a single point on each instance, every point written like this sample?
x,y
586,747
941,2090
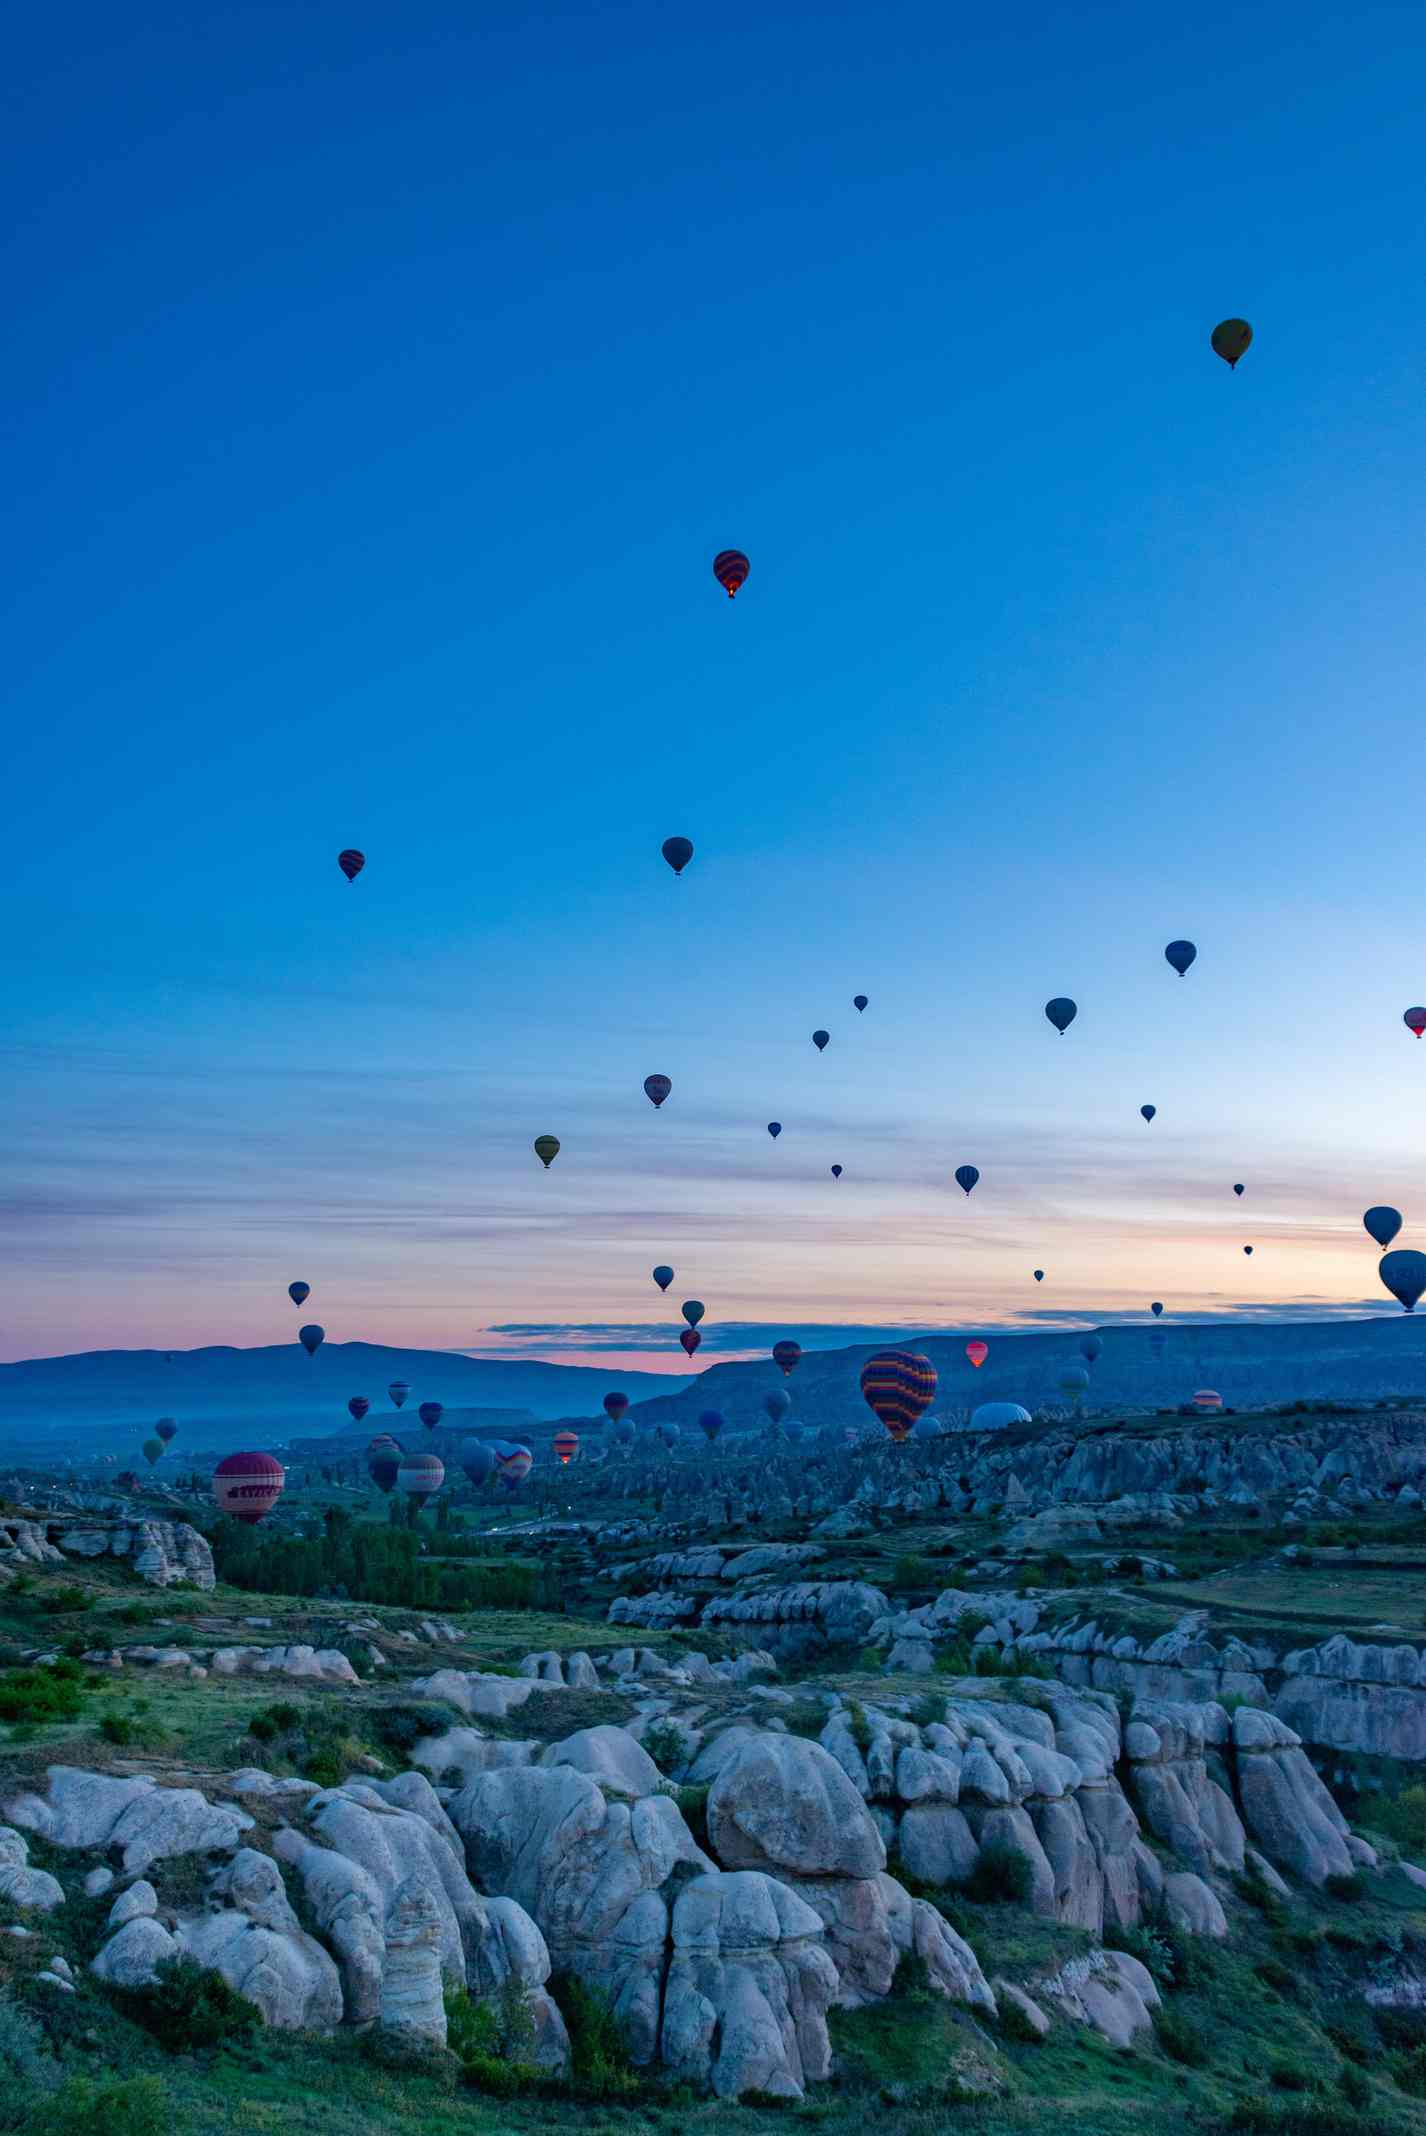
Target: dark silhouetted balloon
x,y
710,1423
1090,1348
566,1445
692,1310
836,1171
477,1461
731,568
690,1338
786,1356
152,1451
247,1486
351,862
398,1391
1415,1021
1180,955
383,1461
1148,1111
421,1476
859,1002
1061,1012
357,1408
657,1088
311,1337
977,1352
431,1413
1074,1382
774,1128
898,1386
668,1432
1156,1308
1248,1250
1230,339
614,1405
547,1148
966,1176
166,1429
777,1402
820,1039
1039,1274
299,1292
678,852
663,1276
1404,1274
1382,1224
1238,1187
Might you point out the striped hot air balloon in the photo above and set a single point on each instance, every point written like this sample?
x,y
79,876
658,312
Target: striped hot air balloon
x,y
566,1444
383,1460
1207,1398
787,1355
513,1464
420,1477
731,568
897,1386
351,862
247,1486
657,1088
547,1148
357,1407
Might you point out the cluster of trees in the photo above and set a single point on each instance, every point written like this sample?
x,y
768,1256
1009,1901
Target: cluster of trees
x,y
359,1562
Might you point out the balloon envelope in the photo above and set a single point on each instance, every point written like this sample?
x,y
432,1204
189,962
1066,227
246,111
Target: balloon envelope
x,y
819,1040
710,1423
1382,1223
663,1276
1061,1012
431,1413
351,862
615,1404
897,1386
998,1416
1148,1111
1090,1348
678,852
357,1407
166,1429
1074,1381
299,1292
1180,956
785,1355
566,1445
1039,1274
1230,339
836,1171
692,1310
926,1427
247,1486
1156,1308
513,1463
690,1338
977,1352
311,1338
1415,1021
859,1002
774,1128
421,1476
1404,1274
1208,1398
657,1088
398,1391
547,1148
1238,1187
477,1461
731,568
966,1176
776,1402
153,1451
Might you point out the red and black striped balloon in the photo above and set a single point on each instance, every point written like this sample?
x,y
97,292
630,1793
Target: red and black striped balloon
x,y
731,568
351,862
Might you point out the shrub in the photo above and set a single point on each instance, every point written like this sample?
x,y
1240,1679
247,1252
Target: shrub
x,y
599,2060
1409,2072
1255,1890
1163,1950
910,1572
493,2041
1017,2024
1290,2077
1181,2040
33,1695
69,1598
187,2008
1277,1976
693,1809
1355,2088
1001,1872
110,2106
1348,1884
400,1728
27,2069
664,1744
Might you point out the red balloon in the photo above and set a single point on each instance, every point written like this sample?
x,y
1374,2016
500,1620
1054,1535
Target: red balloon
x,y
977,1352
566,1447
731,568
690,1338
1415,1021
351,862
246,1486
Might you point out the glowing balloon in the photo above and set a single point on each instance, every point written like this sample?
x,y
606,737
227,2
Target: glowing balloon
x,y
678,852
1404,1274
351,862
897,1386
663,1276
977,1352
656,1089
1230,339
966,1176
786,1355
247,1486
731,568
1382,1223
311,1338
299,1292
566,1445
1061,1012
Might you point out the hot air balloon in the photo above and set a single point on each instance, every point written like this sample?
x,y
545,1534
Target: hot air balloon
x,y
656,1089
1230,339
1061,1012
477,1461
819,1040
926,1427
1074,1383
299,1292
614,1405
998,1416
513,1464
398,1391
1208,1398
710,1423
859,1002
311,1338
690,1338
1039,1274
547,1148
663,1277
1238,1187
668,1432
1090,1348
420,1476
1156,1308
623,1434
731,568
836,1171
785,1355
776,1402
152,1451
977,1352
166,1429
898,1385
1382,1223
566,1445
383,1461
1404,1274
351,862
247,1486
1148,1111
357,1407
431,1413
774,1128
1415,1021
692,1310
1180,955
1248,1250
966,1176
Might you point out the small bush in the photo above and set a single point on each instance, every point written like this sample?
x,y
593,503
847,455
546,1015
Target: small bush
x,y
1355,2088
1277,1976
1349,1885
1409,2073
35,1695
1001,1872
27,2068
693,1809
910,1572
1253,1887
664,1744
1017,2024
69,1598
1181,2040
110,2106
1290,2077
493,2041
599,2061
188,2008
401,1728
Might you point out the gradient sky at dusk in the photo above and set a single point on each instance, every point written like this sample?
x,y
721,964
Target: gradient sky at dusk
x,y
379,388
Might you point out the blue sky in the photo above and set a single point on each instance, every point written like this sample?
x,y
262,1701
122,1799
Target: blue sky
x,y
379,390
